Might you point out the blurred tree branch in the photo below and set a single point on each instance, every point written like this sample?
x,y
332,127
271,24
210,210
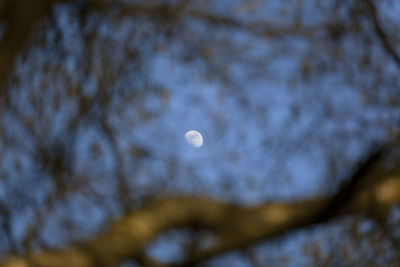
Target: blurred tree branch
x,y
380,32
234,227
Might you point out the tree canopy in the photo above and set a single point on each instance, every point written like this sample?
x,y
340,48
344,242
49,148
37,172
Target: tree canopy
x,y
297,101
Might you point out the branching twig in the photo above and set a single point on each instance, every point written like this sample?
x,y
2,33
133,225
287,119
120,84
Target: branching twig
x,y
383,37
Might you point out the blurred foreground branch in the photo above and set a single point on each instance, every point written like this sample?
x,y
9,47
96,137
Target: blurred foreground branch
x,y
233,227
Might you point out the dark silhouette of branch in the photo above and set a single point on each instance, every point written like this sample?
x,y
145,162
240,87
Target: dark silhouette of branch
x,y
380,32
352,182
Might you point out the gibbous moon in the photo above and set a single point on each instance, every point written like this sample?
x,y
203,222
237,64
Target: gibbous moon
x,y
194,138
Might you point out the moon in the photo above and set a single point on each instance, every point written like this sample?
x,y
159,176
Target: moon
x,y
194,138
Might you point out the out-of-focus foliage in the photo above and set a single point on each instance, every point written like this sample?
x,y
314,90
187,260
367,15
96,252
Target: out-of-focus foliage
x,y
287,94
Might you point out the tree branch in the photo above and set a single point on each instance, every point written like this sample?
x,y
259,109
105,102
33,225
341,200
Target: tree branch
x,y
380,32
234,227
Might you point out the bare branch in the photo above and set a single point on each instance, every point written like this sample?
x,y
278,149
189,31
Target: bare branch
x,y
380,32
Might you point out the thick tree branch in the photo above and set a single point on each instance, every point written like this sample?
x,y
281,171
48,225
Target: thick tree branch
x,y
234,227
353,181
